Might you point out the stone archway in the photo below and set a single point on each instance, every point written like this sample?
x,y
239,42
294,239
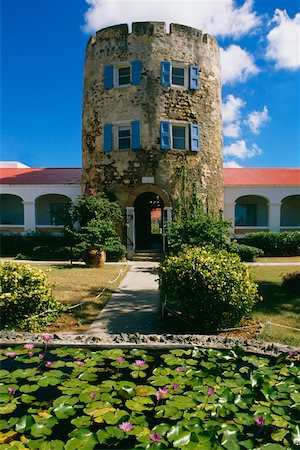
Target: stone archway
x,y
148,212
149,188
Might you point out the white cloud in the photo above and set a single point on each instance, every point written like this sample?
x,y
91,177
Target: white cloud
x,y
231,108
231,112
232,164
256,119
284,41
237,64
219,18
232,130
240,150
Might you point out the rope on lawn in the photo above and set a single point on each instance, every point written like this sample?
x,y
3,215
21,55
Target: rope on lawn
x,y
283,326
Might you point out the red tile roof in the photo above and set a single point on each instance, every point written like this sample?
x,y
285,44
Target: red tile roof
x,y
261,177
40,176
232,177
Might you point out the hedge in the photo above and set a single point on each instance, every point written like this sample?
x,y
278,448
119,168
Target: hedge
x,y
284,243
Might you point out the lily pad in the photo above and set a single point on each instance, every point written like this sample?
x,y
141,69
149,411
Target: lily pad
x,y
63,411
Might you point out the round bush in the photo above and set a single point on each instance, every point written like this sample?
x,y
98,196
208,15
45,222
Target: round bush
x,y
291,282
210,288
26,300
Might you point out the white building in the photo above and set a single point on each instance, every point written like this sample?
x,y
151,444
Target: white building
x,y
33,199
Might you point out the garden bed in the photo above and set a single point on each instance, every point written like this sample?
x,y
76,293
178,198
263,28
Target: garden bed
x,y
67,397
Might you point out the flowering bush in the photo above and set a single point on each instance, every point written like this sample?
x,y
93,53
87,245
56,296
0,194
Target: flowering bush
x,y
26,300
212,289
219,399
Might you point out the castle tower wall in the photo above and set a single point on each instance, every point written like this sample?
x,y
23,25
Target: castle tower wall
x,y
150,103
147,101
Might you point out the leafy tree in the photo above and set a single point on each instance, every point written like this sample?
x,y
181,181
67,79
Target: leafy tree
x,y
94,221
191,226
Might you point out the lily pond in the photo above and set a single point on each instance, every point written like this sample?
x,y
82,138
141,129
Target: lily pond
x,y
72,398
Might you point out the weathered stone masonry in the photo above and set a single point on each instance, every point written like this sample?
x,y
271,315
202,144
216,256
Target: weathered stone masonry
x,y
147,103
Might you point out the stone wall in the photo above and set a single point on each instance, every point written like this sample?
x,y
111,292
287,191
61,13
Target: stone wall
x,y
149,102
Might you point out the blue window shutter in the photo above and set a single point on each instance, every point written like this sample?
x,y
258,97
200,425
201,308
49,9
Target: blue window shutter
x,y
107,140
108,76
195,137
135,135
136,71
165,73
194,77
165,137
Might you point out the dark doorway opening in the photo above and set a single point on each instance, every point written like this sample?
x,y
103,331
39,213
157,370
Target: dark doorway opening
x,y
148,208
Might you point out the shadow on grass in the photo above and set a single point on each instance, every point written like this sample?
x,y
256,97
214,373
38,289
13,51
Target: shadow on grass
x,y
276,300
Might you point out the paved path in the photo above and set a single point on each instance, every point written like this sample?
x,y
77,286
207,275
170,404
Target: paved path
x,y
134,307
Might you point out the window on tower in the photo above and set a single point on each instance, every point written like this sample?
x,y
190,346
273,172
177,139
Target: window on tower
x,y
179,136
122,74
123,138
125,135
179,74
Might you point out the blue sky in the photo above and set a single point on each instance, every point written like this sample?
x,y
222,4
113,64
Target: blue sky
x,y
43,45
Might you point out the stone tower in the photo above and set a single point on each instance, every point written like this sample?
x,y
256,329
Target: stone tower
x,y
151,105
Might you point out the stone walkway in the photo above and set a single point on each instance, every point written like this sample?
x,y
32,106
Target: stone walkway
x,y
134,307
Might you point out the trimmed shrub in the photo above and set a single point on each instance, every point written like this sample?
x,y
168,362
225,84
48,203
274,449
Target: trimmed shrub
x,y
197,231
26,300
291,282
245,252
35,246
115,252
284,243
209,288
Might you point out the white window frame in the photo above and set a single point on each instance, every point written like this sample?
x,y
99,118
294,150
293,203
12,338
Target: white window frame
x,y
184,66
184,125
116,127
117,67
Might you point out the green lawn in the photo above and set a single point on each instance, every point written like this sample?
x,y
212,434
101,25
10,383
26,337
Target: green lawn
x,y
278,305
92,288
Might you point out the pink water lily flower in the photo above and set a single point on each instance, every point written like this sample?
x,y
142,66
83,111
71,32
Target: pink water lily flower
x,y
92,395
28,346
179,369
79,363
41,355
11,391
175,386
211,391
49,364
140,363
161,393
126,426
155,437
48,338
120,359
11,354
30,354
259,421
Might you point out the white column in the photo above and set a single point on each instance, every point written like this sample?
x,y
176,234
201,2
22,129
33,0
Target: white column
x,y
29,216
274,216
130,222
229,214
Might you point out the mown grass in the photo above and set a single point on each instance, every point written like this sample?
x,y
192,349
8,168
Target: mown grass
x,y
91,288
278,305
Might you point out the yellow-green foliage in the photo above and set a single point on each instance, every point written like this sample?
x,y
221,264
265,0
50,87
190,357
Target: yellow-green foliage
x,y
211,288
26,300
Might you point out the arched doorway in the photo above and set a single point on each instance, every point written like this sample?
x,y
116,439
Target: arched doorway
x,y
148,211
290,212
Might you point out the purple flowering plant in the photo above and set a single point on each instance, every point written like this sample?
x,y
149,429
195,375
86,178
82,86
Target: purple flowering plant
x,y
119,398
